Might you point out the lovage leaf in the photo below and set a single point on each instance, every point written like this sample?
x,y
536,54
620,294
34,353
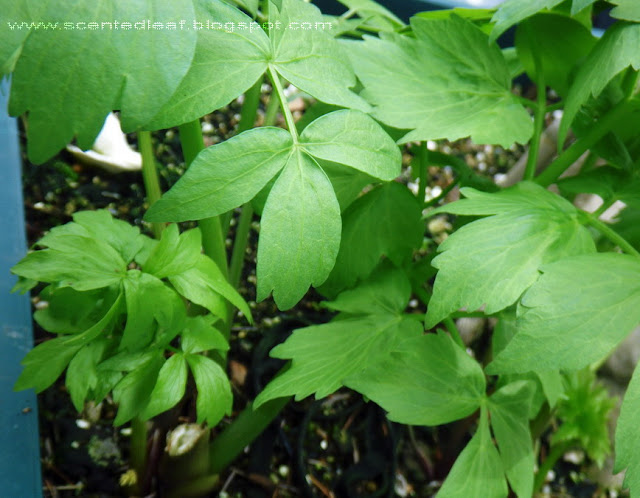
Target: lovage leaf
x,y
225,176
447,82
175,253
324,355
214,391
492,261
512,12
169,388
200,335
82,375
300,234
509,408
425,380
478,470
111,64
354,139
231,53
615,51
384,222
558,323
310,58
628,436
629,10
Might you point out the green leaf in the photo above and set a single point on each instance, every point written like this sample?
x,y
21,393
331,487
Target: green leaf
x,y
44,363
174,253
387,290
512,12
300,232
559,41
169,388
133,391
615,51
384,222
225,176
354,139
366,8
629,10
149,299
231,54
347,182
82,375
324,355
579,5
134,70
628,436
509,408
558,323
478,470
447,82
81,263
214,391
123,237
204,283
492,261
426,380
309,57
200,335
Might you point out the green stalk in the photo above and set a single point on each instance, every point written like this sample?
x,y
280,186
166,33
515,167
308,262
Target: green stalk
x,y
571,155
612,235
538,120
150,176
250,107
240,244
212,236
549,463
455,333
284,105
139,452
248,426
423,162
272,110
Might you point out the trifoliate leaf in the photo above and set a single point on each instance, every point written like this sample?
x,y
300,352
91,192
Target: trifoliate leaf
x,y
478,470
447,82
509,408
169,388
225,176
324,355
628,437
384,222
300,234
214,391
615,51
354,139
98,57
492,261
557,321
425,380
133,391
175,253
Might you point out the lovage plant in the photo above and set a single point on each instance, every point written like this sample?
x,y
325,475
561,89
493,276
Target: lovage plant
x,y
134,315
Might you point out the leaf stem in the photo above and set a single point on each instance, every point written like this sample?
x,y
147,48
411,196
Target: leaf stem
x,y
538,120
240,244
212,236
549,462
569,156
423,163
455,333
284,105
138,451
612,235
150,176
